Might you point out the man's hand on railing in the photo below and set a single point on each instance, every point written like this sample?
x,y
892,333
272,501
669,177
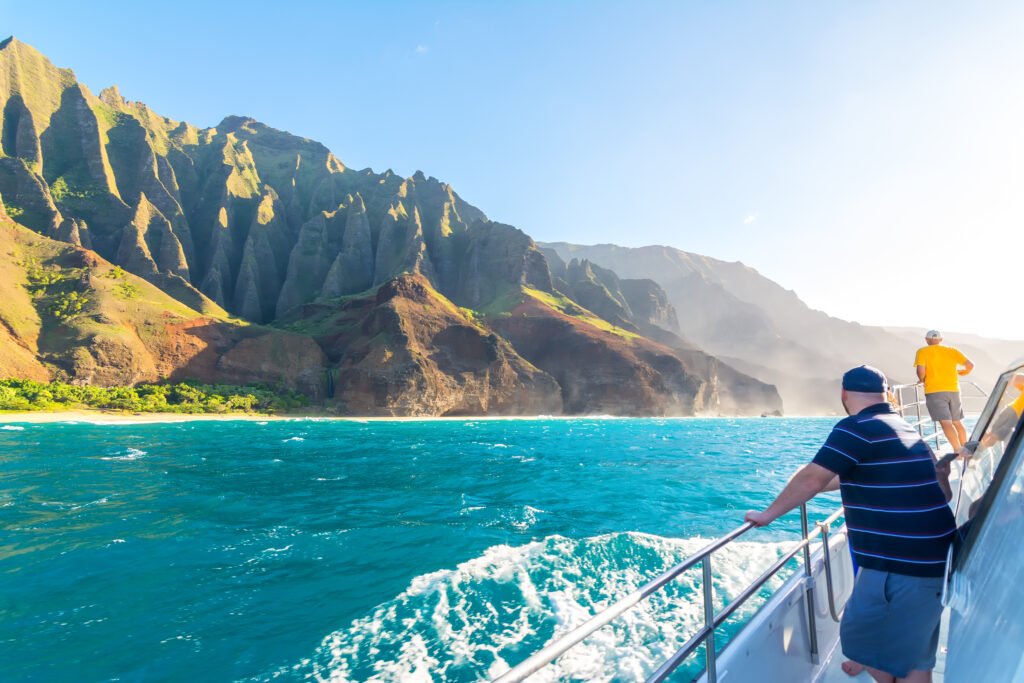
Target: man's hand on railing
x,y
967,451
758,518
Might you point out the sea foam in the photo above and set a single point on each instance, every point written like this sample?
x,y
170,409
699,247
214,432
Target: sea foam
x,y
129,454
475,620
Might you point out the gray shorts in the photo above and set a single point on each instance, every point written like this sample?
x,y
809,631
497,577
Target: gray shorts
x,y
944,405
1004,423
891,622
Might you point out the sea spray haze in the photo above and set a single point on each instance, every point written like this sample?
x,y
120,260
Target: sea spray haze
x,y
370,550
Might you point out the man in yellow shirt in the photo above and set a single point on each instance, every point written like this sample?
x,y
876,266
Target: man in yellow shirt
x,y
938,367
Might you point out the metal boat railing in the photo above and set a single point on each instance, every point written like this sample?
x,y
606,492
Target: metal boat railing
x,y
836,614
712,620
912,410
919,421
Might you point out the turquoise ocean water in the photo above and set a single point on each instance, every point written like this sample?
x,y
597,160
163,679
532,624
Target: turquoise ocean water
x,y
385,551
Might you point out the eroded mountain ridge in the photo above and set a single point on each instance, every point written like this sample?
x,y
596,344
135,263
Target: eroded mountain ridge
x,y
417,303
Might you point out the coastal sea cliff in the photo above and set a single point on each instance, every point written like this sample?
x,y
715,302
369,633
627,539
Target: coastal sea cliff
x,y
135,249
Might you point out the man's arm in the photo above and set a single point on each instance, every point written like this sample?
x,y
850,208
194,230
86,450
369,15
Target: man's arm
x,y
809,481
920,373
968,366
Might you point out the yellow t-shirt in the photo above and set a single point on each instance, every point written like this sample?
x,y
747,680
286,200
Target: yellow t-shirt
x,y
940,364
1018,405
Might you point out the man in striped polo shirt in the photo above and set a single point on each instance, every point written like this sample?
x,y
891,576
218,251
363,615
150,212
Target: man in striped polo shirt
x,y
900,528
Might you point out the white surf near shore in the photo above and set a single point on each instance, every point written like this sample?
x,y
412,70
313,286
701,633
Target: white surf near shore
x,y
100,417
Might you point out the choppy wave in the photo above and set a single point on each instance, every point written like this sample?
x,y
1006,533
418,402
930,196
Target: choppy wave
x,y
12,428
474,621
129,454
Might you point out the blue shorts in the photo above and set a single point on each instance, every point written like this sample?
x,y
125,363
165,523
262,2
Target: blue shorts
x,y
891,622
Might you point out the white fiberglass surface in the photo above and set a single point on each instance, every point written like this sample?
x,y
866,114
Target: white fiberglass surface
x,y
987,624
993,431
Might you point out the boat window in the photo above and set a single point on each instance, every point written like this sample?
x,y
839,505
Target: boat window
x,y
993,430
987,625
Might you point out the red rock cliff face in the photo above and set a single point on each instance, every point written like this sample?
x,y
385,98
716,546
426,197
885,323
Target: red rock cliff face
x,y
602,372
408,351
599,372
221,352
128,331
402,349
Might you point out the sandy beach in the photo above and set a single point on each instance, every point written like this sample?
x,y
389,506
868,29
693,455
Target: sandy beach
x,y
113,417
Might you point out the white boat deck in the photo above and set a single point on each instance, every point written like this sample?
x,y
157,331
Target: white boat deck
x,y
833,672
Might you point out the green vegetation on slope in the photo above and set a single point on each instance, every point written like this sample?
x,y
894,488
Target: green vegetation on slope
x,y
567,307
507,297
189,397
59,293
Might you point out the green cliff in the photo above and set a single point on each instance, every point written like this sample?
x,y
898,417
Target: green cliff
x,y
242,225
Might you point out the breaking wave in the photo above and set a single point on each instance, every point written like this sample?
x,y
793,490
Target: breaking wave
x,y
129,454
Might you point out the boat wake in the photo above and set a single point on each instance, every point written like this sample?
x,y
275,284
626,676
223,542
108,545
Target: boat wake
x,y
491,612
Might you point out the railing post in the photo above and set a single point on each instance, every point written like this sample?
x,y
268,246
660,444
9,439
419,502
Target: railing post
x,y
917,406
809,589
837,615
709,620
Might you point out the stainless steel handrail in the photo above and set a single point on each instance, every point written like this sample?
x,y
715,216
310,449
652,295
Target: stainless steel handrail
x,y
919,401
675,660
919,425
552,651
976,386
809,588
706,635
827,560
712,620
963,380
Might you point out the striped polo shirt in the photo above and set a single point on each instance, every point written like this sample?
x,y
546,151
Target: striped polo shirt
x,y
896,513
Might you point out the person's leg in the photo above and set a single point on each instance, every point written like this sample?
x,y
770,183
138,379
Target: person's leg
x,y
940,409
881,676
852,668
917,676
956,413
961,432
951,434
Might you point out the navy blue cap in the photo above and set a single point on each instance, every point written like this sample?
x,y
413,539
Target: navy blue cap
x,y
866,379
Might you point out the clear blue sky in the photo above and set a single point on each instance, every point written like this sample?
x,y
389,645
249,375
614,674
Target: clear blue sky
x,y
856,152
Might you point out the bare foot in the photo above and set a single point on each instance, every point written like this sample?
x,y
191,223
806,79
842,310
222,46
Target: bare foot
x,y
852,668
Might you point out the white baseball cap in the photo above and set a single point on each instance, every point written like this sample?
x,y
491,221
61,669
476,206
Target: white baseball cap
x,y
933,334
